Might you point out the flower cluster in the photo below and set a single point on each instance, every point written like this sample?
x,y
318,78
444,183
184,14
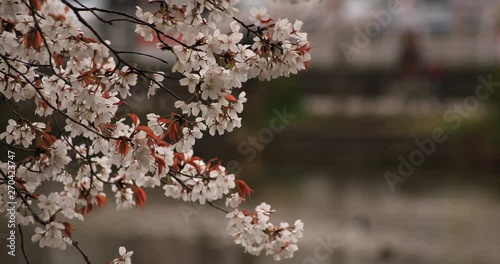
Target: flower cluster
x,y
214,63
21,134
46,59
54,235
195,181
255,233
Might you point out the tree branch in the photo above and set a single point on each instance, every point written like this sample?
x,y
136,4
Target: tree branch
x,y
22,244
85,257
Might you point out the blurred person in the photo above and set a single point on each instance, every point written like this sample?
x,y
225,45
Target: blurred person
x,y
410,59
415,79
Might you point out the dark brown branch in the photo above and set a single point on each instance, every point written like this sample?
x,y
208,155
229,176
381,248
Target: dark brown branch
x,y
85,257
142,54
6,146
217,207
22,244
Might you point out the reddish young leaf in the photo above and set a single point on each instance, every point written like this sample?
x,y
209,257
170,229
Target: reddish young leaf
x,y
107,129
123,147
58,59
209,164
134,118
33,39
148,131
266,21
161,164
303,49
48,128
86,210
164,120
39,142
307,64
101,200
178,159
37,4
120,103
162,143
44,140
140,196
68,229
231,98
173,130
243,189
43,105
192,162
48,139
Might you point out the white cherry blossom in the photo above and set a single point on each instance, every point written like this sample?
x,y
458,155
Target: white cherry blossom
x,y
89,148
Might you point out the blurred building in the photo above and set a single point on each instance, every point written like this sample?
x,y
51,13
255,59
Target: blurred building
x,y
453,33
354,119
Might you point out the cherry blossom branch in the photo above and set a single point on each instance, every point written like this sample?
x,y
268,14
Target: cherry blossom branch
x,y
86,157
89,161
38,29
53,107
132,19
247,27
85,86
4,99
77,11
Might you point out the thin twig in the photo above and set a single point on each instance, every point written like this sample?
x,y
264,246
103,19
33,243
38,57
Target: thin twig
x,y
85,257
142,54
22,244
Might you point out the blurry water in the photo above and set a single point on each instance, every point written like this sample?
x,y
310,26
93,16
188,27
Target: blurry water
x,y
347,221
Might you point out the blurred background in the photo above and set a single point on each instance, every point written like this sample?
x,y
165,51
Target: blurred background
x,y
384,74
